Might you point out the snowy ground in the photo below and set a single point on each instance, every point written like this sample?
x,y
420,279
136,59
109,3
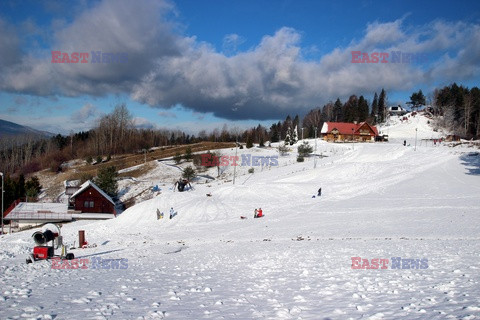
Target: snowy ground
x,y
379,200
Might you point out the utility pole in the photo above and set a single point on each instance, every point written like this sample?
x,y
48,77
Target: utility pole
x,y
235,167
3,191
415,149
315,159
279,142
353,141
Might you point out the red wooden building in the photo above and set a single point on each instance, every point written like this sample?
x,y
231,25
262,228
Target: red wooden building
x,y
91,199
344,131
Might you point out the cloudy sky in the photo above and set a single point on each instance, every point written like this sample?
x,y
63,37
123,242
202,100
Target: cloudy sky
x,y
197,64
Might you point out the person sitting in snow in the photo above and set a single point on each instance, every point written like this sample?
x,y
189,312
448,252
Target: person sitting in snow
x,y
255,213
259,213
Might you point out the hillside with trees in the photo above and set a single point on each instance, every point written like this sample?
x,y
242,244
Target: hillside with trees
x,y
455,108
458,109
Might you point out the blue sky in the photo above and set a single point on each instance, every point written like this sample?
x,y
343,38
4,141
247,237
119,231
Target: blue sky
x,y
196,65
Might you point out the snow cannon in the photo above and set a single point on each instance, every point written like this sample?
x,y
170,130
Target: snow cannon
x,y
42,251
42,238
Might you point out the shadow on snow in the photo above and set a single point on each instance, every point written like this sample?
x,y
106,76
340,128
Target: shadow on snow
x,y
471,161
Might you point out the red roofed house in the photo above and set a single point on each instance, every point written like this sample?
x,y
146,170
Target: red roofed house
x,y
344,131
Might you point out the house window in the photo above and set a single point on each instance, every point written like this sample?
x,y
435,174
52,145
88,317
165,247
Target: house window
x,y
88,204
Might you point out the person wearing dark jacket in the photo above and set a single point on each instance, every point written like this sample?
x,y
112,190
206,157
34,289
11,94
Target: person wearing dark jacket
x,y
319,192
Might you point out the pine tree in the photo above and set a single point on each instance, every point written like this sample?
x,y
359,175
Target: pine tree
x,y
350,109
382,106
294,136
296,121
21,186
249,142
177,157
32,188
337,111
374,113
188,154
107,180
362,109
286,124
288,137
261,143
274,132
304,149
188,173
417,99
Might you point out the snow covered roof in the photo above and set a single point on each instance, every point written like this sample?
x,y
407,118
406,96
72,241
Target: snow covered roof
x,y
89,183
37,211
72,183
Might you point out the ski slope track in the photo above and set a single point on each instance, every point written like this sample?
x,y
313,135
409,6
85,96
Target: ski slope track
x,y
379,201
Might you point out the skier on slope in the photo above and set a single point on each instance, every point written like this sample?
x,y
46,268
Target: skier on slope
x,y
319,192
171,213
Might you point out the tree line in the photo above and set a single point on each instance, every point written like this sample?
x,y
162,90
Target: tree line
x,y
354,109
458,109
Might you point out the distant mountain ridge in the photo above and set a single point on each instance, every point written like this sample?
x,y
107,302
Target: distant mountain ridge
x,y
10,130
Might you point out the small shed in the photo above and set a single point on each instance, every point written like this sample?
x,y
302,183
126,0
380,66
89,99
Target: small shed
x,y
91,199
397,111
71,186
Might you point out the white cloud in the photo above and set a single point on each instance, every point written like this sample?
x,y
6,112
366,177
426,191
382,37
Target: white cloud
x,y
167,114
85,113
231,42
142,123
166,69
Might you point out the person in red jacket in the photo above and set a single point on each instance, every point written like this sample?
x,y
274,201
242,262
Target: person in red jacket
x,y
260,213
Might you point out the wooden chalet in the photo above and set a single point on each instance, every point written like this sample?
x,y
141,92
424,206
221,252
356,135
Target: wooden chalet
x,y
345,131
91,199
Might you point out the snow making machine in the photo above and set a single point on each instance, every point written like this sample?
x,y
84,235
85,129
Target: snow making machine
x,y
42,251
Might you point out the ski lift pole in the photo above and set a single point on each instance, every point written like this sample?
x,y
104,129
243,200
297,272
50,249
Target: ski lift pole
x,y
315,159
235,167
415,149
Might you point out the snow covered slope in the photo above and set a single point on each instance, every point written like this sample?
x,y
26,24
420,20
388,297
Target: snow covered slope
x,y
399,130
379,201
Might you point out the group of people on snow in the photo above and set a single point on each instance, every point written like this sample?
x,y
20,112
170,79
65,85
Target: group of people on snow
x,y
160,214
258,213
